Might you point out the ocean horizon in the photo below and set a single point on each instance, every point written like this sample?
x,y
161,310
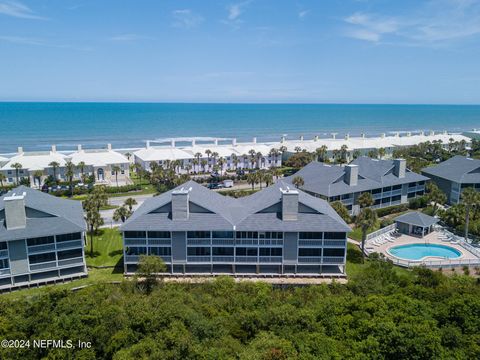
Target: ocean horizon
x,y
37,125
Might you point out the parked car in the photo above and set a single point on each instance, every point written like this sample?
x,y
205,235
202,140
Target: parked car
x,y
213,186
228,183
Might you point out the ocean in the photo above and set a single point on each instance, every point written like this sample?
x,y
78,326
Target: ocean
x,y
36,126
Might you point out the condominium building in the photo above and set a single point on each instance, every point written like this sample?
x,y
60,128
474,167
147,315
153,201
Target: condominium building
x,y
41,239
454,175
389,182
277,230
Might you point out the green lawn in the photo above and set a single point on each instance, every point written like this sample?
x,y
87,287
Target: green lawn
x,y
356,234
107,249
146,190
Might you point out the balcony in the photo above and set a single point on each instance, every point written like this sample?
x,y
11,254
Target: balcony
x,y
68,262
41,248
159,241
270,242
4,272
246,242
198,258
69,244
333,260
310,242
45,265
132,258
270,259
133,242
334,242
310,259
223,242
246,259
198,241
228,259
3,254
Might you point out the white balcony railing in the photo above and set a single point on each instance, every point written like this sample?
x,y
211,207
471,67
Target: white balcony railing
x,y
41,248
198,241
333,259
198,258
133,242
328,242
132,258
3,253
310,259
245,259
69,244
41,266
159,241
72,261
315,243
270,259
222,258
4,272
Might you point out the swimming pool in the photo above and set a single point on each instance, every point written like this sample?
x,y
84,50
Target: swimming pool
x,y
421,251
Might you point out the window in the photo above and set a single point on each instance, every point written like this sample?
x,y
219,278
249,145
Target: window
x,y
69,254
198,234
335,235
222,234
40,240
4,264
271,235
159,234
160,251
309,252
386,200
376,191
421,182
41,258
136,250
222,251
310,235
243,251
69,237
396,198
198,251
346,196
247,235
135,234
271,251
334,198
412,185
397,187
333,252
3,246
388,188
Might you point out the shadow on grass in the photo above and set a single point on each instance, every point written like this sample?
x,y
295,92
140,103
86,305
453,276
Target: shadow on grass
x,y
115,252
118,268
95,254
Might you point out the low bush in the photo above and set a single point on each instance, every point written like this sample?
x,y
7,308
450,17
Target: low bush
x,y
391,210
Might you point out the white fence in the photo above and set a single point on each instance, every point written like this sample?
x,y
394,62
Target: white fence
x,y
381,231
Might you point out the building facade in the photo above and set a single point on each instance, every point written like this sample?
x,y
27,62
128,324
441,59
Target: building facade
x,y
455,175
275,231
389,182
41,239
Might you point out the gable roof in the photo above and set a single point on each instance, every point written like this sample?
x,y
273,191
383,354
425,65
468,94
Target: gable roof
x,y
98,157
327,180
35,160
416,218
458,169
66,215
227,213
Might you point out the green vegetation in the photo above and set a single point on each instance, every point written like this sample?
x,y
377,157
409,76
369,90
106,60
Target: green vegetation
x,y
382,313
108,249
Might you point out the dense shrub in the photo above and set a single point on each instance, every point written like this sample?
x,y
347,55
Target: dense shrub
x,y
418,202
391,210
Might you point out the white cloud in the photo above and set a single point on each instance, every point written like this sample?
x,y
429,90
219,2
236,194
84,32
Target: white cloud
x,y
17,9
303,13
186,18
234,13
437,23
21,40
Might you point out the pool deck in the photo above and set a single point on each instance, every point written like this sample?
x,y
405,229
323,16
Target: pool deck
x,y
432,238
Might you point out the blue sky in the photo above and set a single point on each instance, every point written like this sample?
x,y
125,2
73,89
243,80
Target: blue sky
x,y
327,51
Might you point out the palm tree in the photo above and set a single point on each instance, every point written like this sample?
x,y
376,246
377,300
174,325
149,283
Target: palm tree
x,y
198,156
260,160
235,161
92,213
221,164
37,175
122,213
54,165
130,202
365,200
321,153
470,198
252,179
268,178
195,165
298,181
17,167
208,152
381,152
435,196
81,166
69,172
276,172
116,169
214,157
252,154
128,155
343,154
365,220
2,179
297,149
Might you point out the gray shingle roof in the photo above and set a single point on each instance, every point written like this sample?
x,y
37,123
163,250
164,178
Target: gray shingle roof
x,y
66,215
327,180
417,218
459,169
227,213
